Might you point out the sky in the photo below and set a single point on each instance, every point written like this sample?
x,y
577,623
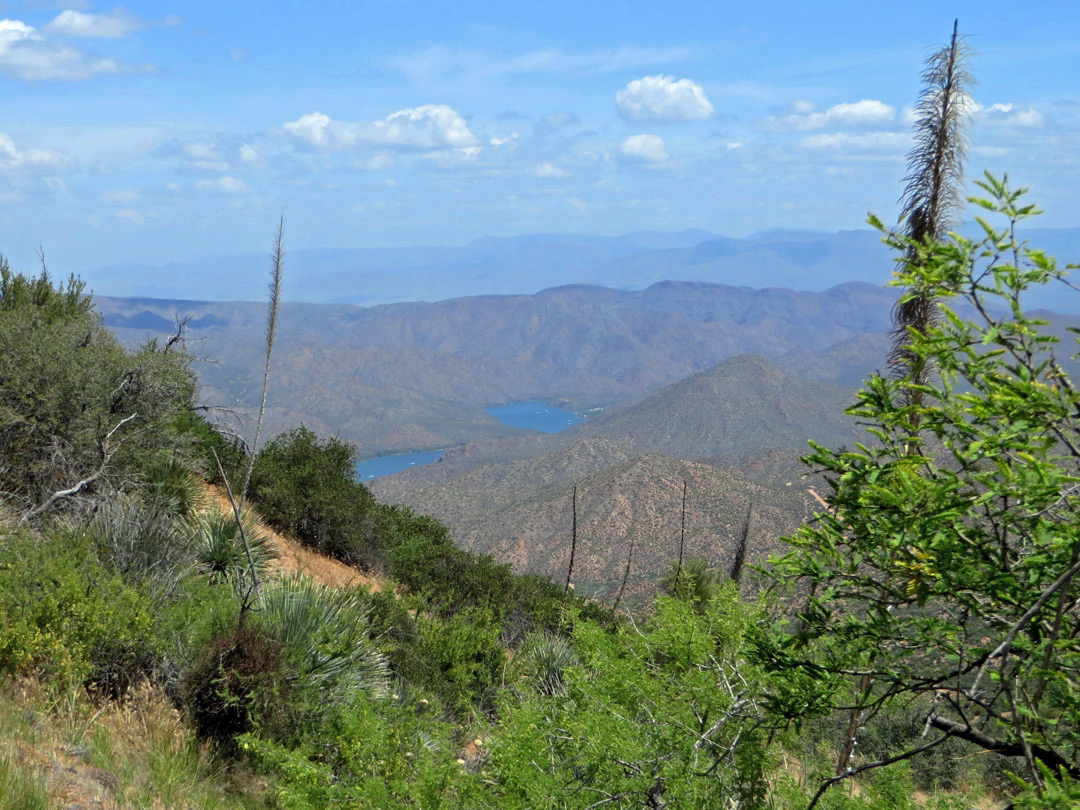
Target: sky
x,y
168,131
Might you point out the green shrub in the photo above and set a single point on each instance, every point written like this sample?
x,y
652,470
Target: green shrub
x,y
172,487
73,399
141,542
67,616
307,487
219,547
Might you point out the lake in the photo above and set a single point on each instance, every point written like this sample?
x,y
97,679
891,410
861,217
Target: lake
x,y
535,415
532,415
388,465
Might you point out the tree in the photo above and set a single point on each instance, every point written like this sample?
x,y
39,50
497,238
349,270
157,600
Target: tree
x,y
77,413
946,565
307,486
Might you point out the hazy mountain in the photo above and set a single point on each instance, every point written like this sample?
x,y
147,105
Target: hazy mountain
x,y
418,375
801,260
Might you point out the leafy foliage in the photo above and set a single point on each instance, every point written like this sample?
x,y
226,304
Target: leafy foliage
x,y
219,547
74,406
946,565
306,486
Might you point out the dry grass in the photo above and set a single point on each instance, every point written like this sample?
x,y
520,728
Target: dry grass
x,y
291,557
67,751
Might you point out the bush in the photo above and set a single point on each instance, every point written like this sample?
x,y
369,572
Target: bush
x,y
67,616
307,487
219,548
237,678
74,405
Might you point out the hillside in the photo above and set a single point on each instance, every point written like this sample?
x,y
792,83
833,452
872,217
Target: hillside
x,y
521,511
511,497
740,409
417,376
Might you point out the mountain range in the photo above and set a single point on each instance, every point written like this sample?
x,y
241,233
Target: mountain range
x,y
414,376
800,260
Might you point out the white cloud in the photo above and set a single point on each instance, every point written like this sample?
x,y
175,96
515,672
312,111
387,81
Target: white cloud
x,y
662,98
26,54
1008,115
11,159
131,215
862,140
805,116
248,153
644,148
548,170
432,126
578,204
205,157
114,25
121,196
226,185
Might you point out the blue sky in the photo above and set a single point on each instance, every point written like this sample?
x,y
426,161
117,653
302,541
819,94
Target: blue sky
x,y
153,132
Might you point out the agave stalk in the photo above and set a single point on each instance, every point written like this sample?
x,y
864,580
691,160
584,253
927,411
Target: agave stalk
x,y
932,195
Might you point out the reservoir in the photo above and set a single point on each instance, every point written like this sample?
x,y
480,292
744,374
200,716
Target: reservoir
x,y
535,415
532,415
388,465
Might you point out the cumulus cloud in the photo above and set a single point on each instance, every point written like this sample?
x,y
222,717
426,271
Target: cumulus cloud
x,y
644,149
548,170
806,116
861,140
26,54
226,185
432,126
1008,115
113,25
40,160
662,98
204,157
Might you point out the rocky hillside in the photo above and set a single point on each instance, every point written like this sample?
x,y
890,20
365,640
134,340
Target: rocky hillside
x,y
416,376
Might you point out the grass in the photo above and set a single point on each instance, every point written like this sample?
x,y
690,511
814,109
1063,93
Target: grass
x,y
59,747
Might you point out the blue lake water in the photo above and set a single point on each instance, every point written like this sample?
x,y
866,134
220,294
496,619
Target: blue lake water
x,y
533,415
388,465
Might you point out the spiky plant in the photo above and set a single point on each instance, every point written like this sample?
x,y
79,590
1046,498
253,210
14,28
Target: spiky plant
x,y
140,541
544,658
172,486
933,192
219,547
324,631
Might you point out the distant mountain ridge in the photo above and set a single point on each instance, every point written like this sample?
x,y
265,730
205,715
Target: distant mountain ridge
x,y
796,259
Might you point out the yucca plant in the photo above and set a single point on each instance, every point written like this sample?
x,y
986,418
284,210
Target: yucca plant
x,y
324,631
219,548
172,487
140,541
544,658
933,193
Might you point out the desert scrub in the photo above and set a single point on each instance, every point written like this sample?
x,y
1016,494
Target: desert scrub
x,y
69,617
